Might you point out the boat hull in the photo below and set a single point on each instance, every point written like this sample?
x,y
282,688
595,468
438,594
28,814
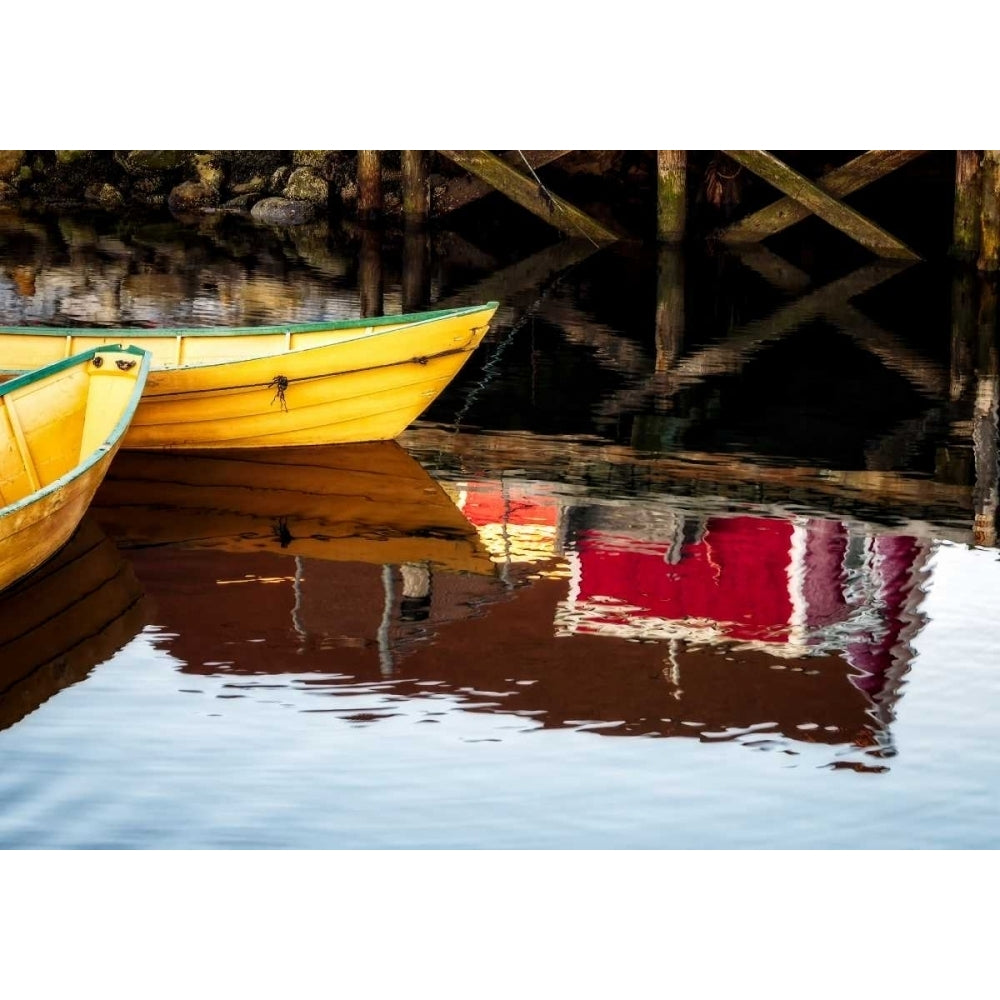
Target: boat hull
x,y
60,428
307,385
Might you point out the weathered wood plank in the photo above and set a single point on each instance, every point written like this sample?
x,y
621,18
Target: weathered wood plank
x,y
989,216
968,202
523,190
671,195
806,192
839,182
461,191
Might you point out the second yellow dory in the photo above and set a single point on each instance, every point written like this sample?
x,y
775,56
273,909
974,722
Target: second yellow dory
x,y
250,387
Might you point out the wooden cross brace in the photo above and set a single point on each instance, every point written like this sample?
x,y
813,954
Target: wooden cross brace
x,y
805,197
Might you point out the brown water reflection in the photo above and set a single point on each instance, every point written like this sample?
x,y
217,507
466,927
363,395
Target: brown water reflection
x,y
58,623
624,618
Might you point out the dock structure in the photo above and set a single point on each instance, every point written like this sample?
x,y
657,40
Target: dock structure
x,y
516,175
962,498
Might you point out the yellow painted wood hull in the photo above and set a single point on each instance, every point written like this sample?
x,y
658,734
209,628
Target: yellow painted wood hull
x,y
77,610
369,503
60,427
340,382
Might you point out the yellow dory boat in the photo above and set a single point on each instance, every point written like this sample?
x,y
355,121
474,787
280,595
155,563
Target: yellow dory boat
x,y
60,426
249,387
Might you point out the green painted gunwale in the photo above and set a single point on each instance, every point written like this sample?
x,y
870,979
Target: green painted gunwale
x,y
38,374
233,331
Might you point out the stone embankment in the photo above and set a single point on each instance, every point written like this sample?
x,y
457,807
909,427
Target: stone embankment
x,y
278,187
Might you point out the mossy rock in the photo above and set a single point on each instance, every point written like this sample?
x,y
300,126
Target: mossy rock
x,y
11,161
191,196
64,157
6,191
305,185
152,161
318,159
208,167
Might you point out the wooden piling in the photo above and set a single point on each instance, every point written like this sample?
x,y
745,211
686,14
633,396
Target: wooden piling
x,y
671,195
416,190
968,202
369,183
989,216
370,273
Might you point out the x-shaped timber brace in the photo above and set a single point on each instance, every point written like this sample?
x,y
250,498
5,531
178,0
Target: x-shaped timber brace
x,y
821,198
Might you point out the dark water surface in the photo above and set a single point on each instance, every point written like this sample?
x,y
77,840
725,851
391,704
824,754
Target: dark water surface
x,y
699,550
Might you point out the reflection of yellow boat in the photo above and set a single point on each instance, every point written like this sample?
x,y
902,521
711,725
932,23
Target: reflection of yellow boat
x,y
57,623
60,426
367,503
317,383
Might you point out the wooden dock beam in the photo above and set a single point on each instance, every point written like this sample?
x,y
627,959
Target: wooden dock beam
x,y
839,182
989,216
524,190
369,183
453,193
807,193
671,195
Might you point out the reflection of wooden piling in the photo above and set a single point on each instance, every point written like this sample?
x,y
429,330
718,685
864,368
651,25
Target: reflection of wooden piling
x,y
964,333
370,273
416,191
416,270
953,458
989,229
968,199
369,183
671,195
986,492
669,307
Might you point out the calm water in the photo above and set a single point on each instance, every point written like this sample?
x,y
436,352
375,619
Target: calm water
x,y
698,551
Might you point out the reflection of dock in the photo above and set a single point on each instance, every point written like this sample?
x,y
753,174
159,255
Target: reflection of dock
x,y
74,612
358,503
924,506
